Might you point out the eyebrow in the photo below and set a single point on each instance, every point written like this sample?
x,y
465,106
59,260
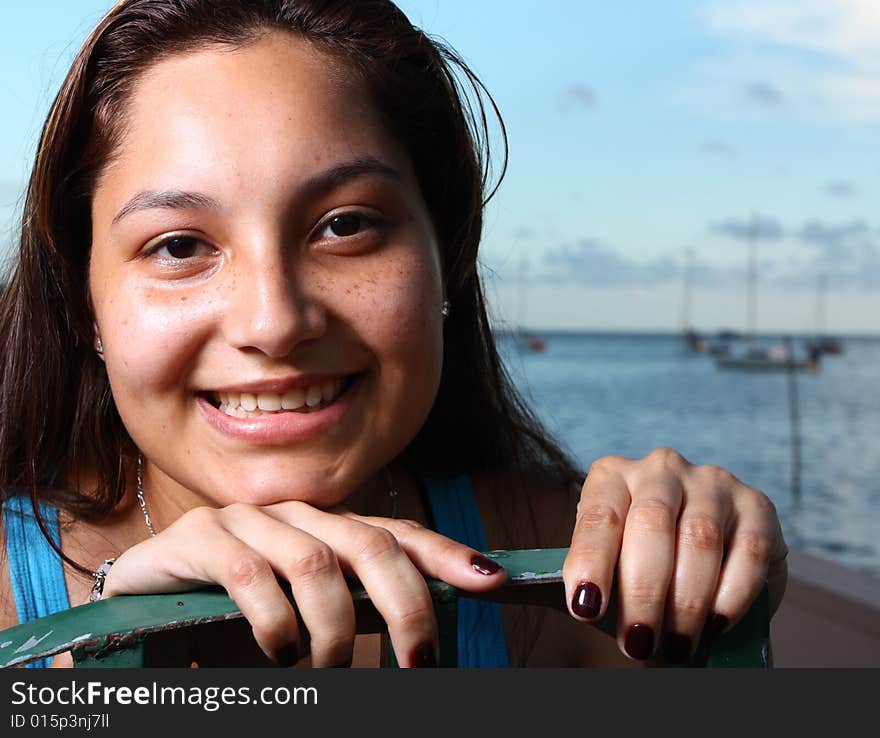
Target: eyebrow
x,y
320,183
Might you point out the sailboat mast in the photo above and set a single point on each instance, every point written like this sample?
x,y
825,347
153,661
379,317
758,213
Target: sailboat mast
x,y
820,306
686,297
752,314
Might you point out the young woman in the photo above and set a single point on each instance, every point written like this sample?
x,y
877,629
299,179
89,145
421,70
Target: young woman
x,y
245,340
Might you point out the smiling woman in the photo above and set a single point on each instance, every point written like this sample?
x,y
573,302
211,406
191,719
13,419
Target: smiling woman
x,y
249,256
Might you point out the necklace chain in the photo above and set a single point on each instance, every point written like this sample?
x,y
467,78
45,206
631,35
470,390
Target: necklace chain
x,y
142,502
140,494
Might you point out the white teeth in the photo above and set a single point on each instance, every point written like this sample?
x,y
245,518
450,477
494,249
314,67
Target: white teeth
x,y
266,401
294,398
303,399
313,395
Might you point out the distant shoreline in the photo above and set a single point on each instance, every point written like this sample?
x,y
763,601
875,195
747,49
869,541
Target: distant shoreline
x,y
502,330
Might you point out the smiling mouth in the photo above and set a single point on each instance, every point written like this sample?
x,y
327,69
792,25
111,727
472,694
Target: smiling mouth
x,y
302,400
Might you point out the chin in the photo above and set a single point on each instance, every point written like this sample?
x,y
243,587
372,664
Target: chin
x,y
318,488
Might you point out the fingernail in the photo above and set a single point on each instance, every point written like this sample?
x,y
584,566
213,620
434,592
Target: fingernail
x,y
587,600
346,665
676,648
716,626
288,655
485,565
639,643
424,657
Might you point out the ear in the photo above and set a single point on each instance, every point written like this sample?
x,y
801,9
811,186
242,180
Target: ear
x,y
98,344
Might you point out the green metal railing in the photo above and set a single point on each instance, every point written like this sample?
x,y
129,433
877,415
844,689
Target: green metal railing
x,y
164,630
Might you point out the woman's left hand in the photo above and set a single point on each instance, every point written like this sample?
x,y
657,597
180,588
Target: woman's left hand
x,y
692,547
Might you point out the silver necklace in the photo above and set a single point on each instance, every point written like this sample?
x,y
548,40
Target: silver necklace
x,y
140,494
142,502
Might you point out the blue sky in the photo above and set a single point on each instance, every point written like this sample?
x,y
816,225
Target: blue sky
x,y
638,131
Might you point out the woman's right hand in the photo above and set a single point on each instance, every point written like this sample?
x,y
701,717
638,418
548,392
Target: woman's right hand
x,y
243,547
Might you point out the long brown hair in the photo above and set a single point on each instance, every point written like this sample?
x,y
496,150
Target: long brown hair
x,y
56,411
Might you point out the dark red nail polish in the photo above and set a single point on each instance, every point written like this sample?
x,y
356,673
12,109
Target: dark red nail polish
x,y
485,565
676,648
716,626
288,655
587,600
639,643
345,665
424,657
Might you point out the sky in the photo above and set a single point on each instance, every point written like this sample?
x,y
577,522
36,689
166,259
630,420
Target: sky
x,y
647,141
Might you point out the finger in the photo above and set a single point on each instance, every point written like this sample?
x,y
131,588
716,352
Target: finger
x,y
755,543
646,562
198,550
440,557
395,586
698,554
588,571
310,566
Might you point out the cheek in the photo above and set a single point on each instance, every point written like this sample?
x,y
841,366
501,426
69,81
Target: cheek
x,y
150,341
404,316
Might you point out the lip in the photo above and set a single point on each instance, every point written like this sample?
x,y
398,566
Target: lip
x,y
281,385
277,429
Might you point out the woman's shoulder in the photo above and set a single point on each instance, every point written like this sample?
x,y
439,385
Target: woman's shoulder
x,y
534,509
8,612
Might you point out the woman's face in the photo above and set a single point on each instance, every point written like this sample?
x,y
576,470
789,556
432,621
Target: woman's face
x,y
265,278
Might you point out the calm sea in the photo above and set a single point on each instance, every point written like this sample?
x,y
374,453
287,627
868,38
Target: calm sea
x,y
628,394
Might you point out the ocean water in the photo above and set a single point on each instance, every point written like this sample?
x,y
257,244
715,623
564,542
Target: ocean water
x,y
628,394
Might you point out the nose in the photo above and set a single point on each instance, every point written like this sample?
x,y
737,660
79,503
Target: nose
x,y
270,308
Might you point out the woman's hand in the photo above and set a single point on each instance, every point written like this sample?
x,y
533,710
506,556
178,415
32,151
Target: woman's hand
x,y
243,547
692,547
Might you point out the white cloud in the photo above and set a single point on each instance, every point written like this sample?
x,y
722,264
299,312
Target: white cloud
x,y
823,54
847,30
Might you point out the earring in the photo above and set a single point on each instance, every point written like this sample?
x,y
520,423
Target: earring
x,y
444,310
99,346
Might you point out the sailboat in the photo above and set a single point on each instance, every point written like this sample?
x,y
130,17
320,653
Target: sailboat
x,y
694,341
764,358
525,340
822,342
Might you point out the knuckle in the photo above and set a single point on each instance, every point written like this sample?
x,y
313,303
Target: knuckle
x,y
409,526
335,645
763,502
651,515
667,458
417,617
644,593
198,518
716,476
315,562
605,465
757,546
598,517
238,508
701,532
245,570
689,607
377,543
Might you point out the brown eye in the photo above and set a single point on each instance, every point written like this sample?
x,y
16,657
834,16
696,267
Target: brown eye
x,y
181,247
345,225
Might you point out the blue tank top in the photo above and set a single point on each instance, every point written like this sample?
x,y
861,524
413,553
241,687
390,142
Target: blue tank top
x,y
39,588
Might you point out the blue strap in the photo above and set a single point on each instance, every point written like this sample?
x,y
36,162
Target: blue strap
x,y
34,567
481,641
